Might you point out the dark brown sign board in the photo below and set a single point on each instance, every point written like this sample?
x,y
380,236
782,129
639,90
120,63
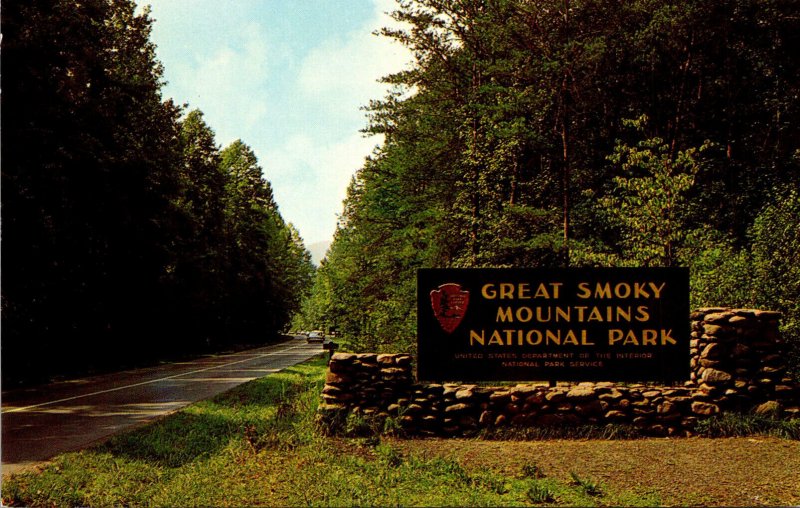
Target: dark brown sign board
x,y
571,324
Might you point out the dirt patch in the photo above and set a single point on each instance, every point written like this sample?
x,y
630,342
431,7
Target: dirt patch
x,y
696,471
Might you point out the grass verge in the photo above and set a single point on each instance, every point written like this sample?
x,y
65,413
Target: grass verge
x,y
258,445
742,425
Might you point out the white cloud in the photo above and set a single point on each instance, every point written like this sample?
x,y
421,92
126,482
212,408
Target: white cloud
x,y
341,75
310,180
299,112
338,77
229,85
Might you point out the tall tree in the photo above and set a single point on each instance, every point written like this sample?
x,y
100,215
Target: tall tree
x,y
87,157
497,140
268,268
118,217
194,277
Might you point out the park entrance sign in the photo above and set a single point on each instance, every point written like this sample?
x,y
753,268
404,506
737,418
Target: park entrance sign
x,y
573,324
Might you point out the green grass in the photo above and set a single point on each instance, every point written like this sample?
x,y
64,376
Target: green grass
x,y
738,425
215,452
259,445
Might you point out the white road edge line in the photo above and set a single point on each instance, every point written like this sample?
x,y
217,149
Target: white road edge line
x,y
18,409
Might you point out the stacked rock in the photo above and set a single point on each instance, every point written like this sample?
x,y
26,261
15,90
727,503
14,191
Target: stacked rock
x,y
736,364
656,411
365,382
436,409
737,361
462,410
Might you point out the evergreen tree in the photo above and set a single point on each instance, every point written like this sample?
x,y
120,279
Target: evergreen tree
x,y
127,236
506,136
268,268
88,152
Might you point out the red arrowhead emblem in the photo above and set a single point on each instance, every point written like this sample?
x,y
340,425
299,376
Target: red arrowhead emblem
x,y
449,304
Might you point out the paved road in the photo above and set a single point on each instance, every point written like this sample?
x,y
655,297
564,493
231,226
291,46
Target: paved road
x,y
41,422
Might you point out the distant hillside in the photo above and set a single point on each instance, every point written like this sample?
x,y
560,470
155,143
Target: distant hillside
x,y
318,251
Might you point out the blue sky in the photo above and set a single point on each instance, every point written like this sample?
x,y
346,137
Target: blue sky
x,y
287,77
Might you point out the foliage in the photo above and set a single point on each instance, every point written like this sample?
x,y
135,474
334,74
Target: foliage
x,y
89,151
722,275
589,487
507,143
539,494
776,264
123,224
763,274
648,200
532,471
268,266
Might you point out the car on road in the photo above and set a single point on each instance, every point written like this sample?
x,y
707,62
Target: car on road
x,y
315,336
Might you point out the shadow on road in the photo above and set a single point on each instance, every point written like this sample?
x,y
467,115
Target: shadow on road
x,y
69,416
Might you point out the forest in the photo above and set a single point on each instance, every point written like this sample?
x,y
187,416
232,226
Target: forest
x,y
129,235
573,133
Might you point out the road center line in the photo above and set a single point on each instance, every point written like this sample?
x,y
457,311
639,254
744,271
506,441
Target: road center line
x,y
18,409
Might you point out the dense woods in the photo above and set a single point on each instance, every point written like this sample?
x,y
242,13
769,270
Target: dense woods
x,y
534,133
128,234
545,133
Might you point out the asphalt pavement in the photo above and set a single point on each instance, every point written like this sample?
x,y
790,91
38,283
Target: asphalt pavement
x,y
40,422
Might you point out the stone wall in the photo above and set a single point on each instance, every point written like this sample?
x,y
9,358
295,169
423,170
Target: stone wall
x,y
737,359
736,365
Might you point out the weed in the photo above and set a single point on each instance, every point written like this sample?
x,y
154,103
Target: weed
x,y
532,471
619,431
540,494
392,426
452,469
389,455
358,425
737,425
491,483
608,431
370,441
589,487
